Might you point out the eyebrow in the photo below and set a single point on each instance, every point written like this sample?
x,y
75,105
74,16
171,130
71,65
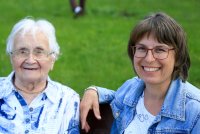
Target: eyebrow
x,y
139,44
23,48
39,48
27,49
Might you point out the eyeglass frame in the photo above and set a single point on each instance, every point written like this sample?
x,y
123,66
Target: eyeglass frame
x,y
147,50
28,52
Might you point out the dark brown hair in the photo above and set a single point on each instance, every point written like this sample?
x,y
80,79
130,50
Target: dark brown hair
x,y
166,30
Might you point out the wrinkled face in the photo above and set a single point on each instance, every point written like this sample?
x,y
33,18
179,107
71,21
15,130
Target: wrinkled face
x,y
30,68
149,68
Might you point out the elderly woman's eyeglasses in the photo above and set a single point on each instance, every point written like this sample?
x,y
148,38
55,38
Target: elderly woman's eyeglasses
x,y
159,52
38,54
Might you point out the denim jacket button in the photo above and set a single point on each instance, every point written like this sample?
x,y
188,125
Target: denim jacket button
x,y
107,97
117,114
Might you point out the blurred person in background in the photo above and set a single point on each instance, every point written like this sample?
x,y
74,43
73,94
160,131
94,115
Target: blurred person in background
x,y
30,102
159,99
78,9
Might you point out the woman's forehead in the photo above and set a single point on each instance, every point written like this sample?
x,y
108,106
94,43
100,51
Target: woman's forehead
x,y
155,39
30,39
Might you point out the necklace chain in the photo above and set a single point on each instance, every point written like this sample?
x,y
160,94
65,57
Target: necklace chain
x,y
27,92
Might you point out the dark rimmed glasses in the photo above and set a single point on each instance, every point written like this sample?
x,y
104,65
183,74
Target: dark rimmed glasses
x,y
159,52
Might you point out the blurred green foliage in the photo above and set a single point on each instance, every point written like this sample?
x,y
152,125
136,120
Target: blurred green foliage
x,y
94,46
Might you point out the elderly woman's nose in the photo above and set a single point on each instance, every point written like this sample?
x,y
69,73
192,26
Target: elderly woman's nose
x,y
31,57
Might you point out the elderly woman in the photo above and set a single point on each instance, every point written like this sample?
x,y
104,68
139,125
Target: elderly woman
x,y
159,100
30,102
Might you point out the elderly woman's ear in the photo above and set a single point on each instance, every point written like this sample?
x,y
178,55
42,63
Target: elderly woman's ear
x,y
52,63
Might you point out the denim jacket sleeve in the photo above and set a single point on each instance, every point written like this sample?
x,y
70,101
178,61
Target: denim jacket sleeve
x,y
105,95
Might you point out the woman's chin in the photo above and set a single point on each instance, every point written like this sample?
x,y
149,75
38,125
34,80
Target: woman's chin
x,y
152,80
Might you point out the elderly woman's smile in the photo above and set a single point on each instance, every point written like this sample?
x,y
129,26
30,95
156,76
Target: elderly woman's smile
x,y
30,60
30,102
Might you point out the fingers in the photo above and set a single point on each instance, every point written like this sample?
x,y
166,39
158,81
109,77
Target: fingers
x,y
86,127
84,112
89,101
96,110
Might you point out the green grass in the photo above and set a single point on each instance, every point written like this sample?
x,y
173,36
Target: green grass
x,y
94,46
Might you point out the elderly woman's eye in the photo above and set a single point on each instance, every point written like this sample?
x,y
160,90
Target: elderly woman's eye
x,y
23,51
38,51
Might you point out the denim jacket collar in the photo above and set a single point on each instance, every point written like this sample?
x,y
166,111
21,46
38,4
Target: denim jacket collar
x,y
174,103
136,90
174,109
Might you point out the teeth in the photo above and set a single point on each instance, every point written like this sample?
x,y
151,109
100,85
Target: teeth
x,y
30,68
151,69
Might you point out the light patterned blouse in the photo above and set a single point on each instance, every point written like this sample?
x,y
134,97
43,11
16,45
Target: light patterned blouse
x,y
54,111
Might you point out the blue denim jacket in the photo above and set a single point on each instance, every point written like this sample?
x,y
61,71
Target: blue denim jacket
x,y
180,112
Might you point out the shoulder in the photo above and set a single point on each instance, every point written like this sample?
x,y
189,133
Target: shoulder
x,y
192,92
192,98
6,86
63,90
131,85
3,84
130,91
184,90
2,81
6,82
